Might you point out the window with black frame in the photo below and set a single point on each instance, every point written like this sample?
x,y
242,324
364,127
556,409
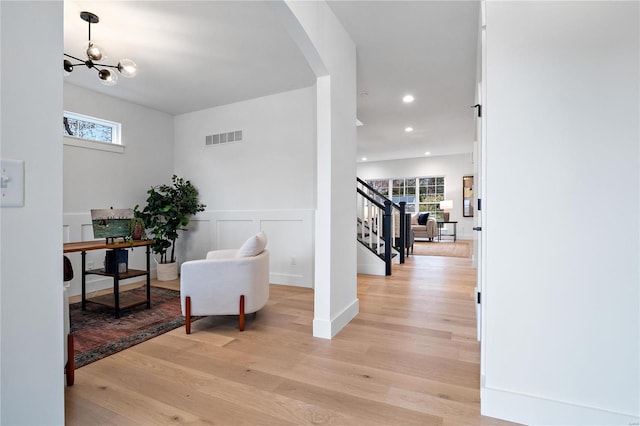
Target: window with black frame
x,y
422,194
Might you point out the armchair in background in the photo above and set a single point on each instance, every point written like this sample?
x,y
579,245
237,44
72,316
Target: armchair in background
x,y
226,282
424,226
409,236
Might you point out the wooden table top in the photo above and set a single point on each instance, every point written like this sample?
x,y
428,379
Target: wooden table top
x,y
102,244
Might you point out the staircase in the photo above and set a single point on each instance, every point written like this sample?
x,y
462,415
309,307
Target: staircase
x,y
379,222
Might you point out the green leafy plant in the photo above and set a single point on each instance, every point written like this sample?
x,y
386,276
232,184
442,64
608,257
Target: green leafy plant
x,y
168,210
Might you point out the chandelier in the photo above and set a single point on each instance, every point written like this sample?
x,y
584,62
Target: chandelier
x,y
106,73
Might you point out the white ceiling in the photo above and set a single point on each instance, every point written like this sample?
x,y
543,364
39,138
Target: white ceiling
x,y
193,55
427,49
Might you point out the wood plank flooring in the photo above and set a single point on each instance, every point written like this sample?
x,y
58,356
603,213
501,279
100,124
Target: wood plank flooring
x,y
409,358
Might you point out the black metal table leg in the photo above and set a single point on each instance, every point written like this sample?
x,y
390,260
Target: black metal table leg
x,y
148,278
84,282
116,284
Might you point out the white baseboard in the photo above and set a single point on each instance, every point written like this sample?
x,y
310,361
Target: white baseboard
x,y
296,280
531,410
328,329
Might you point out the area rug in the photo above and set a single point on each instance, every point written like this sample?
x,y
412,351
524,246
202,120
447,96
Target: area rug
x,y
458,249
98,334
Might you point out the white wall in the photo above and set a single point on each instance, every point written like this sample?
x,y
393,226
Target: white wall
x,y
265,182
271,168
332,55
101,179
562,309
452,167
31,310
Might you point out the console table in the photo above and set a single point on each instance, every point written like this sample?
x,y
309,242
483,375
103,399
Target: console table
x,y
115,300
455,230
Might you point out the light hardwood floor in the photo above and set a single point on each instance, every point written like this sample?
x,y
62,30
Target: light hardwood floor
x,y
409,358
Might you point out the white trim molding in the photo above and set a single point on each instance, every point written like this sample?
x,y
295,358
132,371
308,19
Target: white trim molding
x,y
100,146
532,410
328,329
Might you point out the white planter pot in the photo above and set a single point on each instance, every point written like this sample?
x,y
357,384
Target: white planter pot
x,y
167,271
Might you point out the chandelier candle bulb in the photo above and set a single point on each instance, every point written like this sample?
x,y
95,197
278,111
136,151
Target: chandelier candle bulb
x,y
107,77
127,68
95,52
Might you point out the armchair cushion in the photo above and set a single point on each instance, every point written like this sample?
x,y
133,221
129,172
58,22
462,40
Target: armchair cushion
x,y
422,218
253,246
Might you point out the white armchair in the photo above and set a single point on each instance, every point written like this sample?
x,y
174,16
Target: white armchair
x,y
227,282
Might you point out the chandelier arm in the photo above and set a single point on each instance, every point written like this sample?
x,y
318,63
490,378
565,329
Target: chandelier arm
x,y
109,66
73,57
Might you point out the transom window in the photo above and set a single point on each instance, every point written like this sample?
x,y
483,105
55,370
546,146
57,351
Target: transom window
x,y
90,128
422,194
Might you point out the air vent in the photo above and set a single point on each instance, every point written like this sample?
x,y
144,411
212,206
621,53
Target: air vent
x,y
220,138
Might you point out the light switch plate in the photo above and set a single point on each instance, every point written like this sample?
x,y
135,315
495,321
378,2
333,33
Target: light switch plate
x,y
12,183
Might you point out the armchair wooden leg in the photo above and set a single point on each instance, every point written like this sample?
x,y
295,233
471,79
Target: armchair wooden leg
x,y
70,368
241,313
187,316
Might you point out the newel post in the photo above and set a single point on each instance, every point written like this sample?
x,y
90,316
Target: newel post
x,y
402,232
386,232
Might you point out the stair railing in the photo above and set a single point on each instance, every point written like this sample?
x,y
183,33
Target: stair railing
x,y
370,216
372,207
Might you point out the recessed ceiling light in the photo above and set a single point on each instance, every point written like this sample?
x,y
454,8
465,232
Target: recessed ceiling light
x,y
407,99
427,153
364,158
408,129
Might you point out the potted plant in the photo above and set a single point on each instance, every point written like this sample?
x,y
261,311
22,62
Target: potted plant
x,y
168,210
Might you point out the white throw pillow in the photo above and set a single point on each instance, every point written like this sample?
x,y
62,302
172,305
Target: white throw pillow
x,y
253,246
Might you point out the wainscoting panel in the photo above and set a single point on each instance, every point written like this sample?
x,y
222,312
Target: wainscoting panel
x,y
289,256
289,233
231,233
66,233
86,231
196,241
290,236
